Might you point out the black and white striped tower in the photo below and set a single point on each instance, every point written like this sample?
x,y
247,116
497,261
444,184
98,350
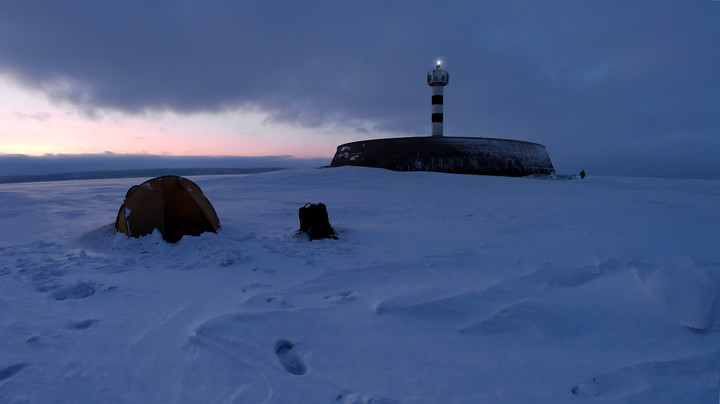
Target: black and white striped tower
x,y
437,79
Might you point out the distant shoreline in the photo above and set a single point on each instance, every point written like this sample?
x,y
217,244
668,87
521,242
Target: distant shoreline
x,y
132,173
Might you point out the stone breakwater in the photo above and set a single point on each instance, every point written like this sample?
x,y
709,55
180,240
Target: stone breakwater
x,y
459,155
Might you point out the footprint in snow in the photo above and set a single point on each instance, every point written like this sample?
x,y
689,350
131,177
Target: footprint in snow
x,y
83,324
289,358
79,290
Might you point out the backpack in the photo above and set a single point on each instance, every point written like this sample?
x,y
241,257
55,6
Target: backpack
x,y
314,221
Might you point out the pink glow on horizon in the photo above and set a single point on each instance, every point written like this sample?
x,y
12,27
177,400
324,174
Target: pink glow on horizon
x,y
34,125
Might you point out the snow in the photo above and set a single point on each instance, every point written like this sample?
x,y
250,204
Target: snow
x,y
440,289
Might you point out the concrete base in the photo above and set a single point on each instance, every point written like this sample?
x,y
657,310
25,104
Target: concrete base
x,y
459,155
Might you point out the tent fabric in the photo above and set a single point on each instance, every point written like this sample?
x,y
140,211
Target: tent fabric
x,y
174,205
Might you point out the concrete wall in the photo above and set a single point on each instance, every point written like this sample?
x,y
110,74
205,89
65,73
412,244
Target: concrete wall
x,y
461,155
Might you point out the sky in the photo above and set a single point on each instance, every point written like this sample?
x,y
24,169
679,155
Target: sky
x,y
612,87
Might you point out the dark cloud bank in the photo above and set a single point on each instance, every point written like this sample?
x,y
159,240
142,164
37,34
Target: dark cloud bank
x,y
625,87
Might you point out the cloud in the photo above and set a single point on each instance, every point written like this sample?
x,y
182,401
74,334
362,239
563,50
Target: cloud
x,y
584,75
36,116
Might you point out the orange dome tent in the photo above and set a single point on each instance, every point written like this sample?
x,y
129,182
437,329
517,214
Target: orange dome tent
x,y
174,205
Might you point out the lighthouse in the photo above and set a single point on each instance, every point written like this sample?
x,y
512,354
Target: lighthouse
x,y
446,154
437,79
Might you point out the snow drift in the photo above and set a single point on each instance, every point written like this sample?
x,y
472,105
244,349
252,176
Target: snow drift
x,y
441,288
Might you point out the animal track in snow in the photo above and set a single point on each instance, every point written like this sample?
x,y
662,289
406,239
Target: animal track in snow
x,y
12,370
289,359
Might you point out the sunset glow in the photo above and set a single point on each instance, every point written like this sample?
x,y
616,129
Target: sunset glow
x,y
35,125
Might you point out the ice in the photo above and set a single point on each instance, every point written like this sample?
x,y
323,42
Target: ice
x,y
441,289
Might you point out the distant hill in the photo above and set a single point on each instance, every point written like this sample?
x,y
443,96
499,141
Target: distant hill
x,y
132,173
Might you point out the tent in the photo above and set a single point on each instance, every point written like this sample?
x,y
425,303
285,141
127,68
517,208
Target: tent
x,y
174,205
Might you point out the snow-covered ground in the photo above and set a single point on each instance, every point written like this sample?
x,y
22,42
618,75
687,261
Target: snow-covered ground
x,y
441,289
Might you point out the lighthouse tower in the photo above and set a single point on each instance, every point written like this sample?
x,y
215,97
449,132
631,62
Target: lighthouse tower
x,y
446,154
437,79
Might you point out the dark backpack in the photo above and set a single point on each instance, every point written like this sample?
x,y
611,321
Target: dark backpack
x,y
314,221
